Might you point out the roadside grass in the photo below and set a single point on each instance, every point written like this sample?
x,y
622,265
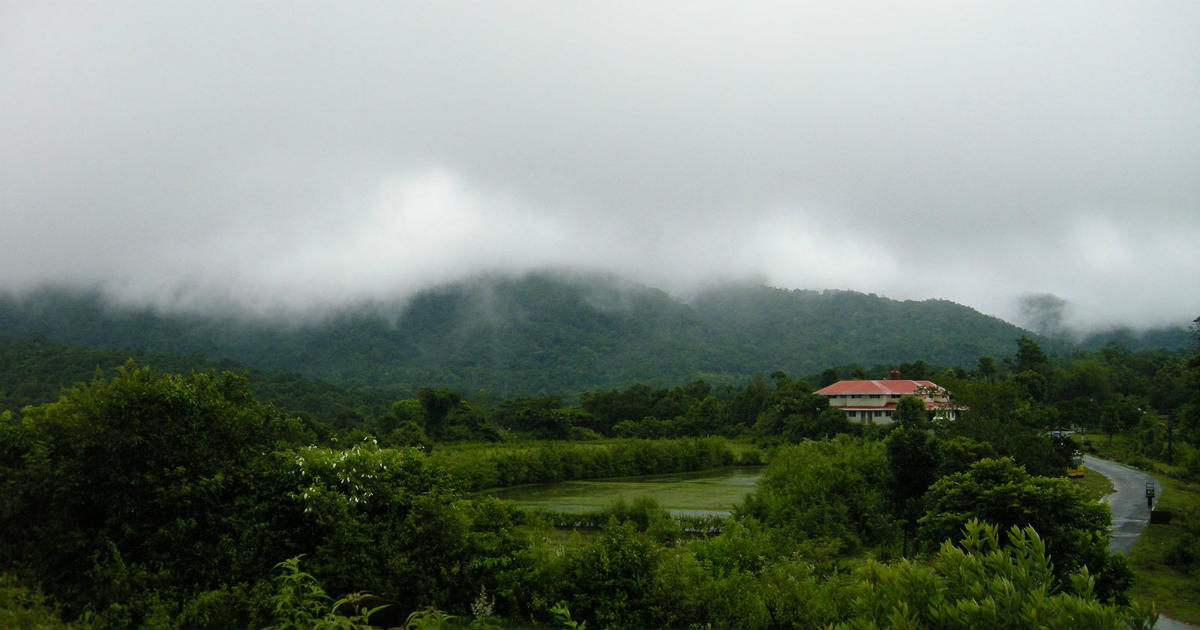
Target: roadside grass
x,y
1095,484
1176,593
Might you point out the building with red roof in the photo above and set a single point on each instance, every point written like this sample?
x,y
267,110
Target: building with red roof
x,y
874,402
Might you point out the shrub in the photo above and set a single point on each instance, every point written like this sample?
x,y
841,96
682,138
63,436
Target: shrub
x,y
1074,528
608,582
23,607
828,489
983,584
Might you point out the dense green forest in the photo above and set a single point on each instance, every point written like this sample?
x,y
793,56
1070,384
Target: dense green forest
x,y
34,370
146,498
543,334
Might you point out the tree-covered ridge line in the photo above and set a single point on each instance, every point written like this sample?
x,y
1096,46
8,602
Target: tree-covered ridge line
x,y
1110,389
545,334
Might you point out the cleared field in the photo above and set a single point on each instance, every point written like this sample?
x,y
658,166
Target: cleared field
x,y
706,493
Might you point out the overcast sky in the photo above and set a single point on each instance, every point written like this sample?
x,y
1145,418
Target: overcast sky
x,y
286,155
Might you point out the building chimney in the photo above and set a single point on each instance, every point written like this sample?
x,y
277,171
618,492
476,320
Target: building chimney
x,y
894,375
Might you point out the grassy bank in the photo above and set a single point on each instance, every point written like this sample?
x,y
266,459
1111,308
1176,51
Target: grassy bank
x,y
1175,592
1095,484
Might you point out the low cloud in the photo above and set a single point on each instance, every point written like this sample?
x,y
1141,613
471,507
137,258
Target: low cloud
x,y
283,159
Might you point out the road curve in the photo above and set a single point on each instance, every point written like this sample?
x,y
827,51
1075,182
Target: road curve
x,y
1130,514
1128,502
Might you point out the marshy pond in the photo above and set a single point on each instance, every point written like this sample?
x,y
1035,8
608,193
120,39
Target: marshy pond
x,y
705,493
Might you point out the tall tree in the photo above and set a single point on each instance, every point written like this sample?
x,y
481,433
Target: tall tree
x,y
1030,356
828,377
910,413
912,457
987,368
437,403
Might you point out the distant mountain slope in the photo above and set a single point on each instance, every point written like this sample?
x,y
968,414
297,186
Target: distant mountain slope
x,y
549,333
1174,338
34,370
809,330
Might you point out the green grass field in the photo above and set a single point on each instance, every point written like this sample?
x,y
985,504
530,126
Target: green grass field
x,y
706,493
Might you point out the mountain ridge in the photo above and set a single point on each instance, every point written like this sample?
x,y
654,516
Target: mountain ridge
x,y
548,332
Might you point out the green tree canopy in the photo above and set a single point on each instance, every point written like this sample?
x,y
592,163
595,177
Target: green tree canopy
x,y
120,475
910,413
828,489
1030,356
912,457
998,491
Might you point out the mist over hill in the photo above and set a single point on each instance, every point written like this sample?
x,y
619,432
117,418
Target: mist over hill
x,y
1051,316
545,332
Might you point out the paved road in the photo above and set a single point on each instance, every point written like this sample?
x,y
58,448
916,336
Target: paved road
x,y
1128,503
1130,514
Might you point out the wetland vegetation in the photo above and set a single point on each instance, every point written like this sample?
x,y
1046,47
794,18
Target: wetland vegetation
x,y
703,493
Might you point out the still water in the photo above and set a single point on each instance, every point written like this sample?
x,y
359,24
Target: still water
x,y
706,493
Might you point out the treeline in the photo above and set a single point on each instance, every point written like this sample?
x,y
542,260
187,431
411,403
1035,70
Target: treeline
x,y
35,370
482,466
155,500
1113,389
1150,396
160,501
1144,394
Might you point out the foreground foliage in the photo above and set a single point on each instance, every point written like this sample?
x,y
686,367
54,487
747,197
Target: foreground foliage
x,y
982,583
152,501
109,493
1075,530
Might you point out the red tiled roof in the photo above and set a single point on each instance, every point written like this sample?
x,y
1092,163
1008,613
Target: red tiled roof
x,y
897,387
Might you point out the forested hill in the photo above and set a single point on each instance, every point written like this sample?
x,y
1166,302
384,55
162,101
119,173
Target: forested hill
x,y
548,333
34,370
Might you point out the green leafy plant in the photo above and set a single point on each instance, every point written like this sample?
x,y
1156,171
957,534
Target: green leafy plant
x,y
981,583
22,607
299,599
562,616
429,619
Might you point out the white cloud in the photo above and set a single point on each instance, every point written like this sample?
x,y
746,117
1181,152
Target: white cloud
x,y
283,157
